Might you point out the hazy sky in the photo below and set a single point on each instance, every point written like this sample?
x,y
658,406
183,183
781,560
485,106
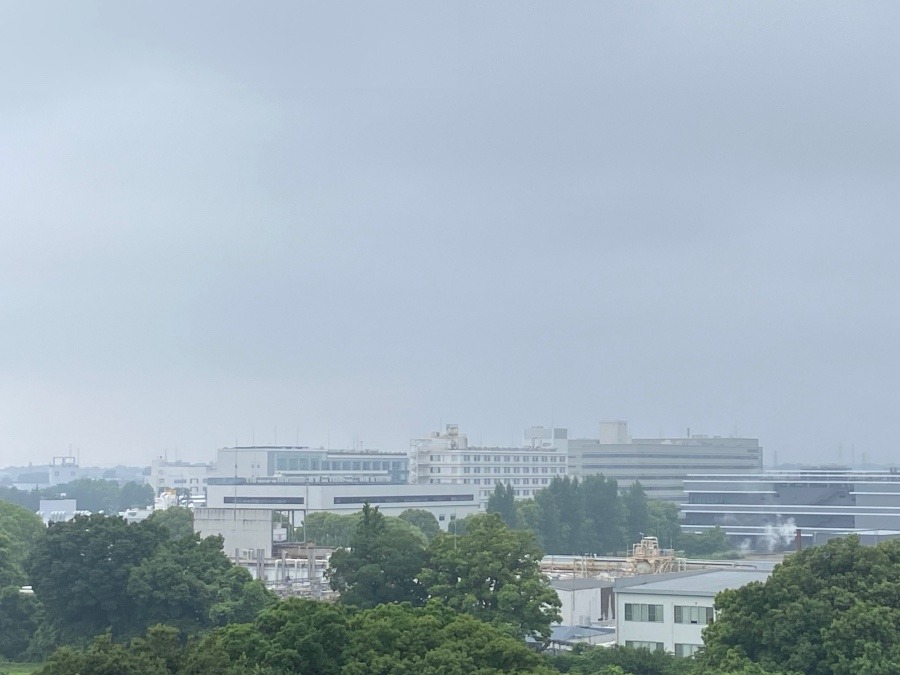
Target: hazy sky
x,y
359,221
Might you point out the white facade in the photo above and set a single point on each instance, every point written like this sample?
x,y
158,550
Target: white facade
x,y
585,601
63,470
242,513
243,529
447,459
314,464
57,510
669,611
179,475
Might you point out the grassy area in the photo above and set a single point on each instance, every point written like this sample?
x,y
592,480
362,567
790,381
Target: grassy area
x,y
9,668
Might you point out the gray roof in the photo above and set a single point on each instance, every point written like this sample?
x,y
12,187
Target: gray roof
x,y
580,584
706,584
571,634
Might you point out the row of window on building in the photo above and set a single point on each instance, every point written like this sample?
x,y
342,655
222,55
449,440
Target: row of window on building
x,y
654,613
502,469
292,463
681,649
506,459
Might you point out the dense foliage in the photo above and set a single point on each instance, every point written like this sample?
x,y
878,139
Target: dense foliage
x,y
98,573
381,565
489,571
594,516
20,530
829,609
91,495
178,521
492,573
303,636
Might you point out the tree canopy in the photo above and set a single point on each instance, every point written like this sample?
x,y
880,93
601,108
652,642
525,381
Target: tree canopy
x,y
492,573
98,573
424,520
91,495
178,521
829,609
304,636
381,565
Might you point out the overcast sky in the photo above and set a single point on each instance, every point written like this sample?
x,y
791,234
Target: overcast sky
x,y
357,222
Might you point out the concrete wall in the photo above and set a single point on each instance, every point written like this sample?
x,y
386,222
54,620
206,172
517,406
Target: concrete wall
x,y
241,528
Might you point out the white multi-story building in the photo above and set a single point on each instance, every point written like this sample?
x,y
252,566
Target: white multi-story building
x,y
315,464
447,459
179,475
669,611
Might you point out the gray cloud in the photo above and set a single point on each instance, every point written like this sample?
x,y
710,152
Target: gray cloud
x,y
363,220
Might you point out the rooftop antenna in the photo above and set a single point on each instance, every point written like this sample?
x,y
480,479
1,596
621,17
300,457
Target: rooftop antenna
x,y
252,435
276,434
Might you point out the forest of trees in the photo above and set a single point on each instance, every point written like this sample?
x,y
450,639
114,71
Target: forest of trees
x,y
593,516
94,495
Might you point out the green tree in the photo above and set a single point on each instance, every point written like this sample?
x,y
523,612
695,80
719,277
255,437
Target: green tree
x,y
329,529
178,521
503,502
636,512
381,565
705,544
662,523
23,528
829,609
133,495
80,571
294,636
91,495
104,657
424,520
432,640
494,574
19,619
628,660
188,583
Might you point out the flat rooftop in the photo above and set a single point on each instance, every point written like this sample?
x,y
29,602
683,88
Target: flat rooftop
x,y
704,583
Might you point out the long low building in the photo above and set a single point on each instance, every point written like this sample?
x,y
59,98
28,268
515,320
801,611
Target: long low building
x,y
243,511
770,510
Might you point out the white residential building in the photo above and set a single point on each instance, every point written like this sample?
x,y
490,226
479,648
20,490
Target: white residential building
x,y
669,611
447,459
